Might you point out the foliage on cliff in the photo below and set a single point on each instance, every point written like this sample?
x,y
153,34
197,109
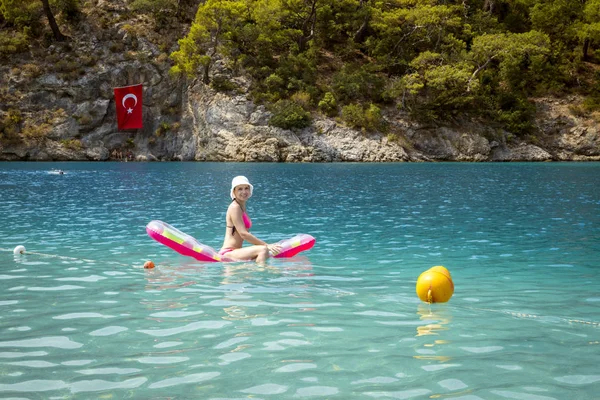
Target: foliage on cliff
x,y
435,58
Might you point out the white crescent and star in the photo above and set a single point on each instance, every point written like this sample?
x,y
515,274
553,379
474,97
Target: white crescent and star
x,y
129,96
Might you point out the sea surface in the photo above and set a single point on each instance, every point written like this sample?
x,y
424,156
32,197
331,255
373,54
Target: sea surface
x,y
80,318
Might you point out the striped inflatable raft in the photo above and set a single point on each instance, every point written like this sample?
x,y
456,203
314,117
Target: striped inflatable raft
x,y
188,246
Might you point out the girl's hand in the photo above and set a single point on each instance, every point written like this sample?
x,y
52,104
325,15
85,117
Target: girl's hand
x,y
274,249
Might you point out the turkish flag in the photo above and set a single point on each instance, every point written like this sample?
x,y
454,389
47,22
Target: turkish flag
x,y
128,101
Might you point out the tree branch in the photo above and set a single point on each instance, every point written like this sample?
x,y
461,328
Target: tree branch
x,y
477,71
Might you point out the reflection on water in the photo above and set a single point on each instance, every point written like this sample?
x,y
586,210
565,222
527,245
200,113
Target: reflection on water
x,y
298,267
240,273
437,319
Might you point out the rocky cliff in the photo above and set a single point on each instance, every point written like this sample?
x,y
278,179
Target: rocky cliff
x,y
57,104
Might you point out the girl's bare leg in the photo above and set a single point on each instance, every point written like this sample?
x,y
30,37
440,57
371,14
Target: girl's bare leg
x,y
258,253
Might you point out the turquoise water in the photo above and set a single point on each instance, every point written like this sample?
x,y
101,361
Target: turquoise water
x,y
81,319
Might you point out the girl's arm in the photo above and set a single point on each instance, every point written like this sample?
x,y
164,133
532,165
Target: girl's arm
x,y
240,227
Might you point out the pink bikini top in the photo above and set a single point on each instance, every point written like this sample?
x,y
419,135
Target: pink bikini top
x,y
247,221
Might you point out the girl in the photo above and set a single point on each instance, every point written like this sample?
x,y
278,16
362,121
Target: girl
x,y
237,225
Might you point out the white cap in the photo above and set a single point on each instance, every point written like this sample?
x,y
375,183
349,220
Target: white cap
x,y
240,180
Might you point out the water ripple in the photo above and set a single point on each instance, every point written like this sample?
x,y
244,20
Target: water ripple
x,y
38,385
18,354
193,378
317,391
55,288
109,371
267,389
109,330
233,357
296,367
403,394
83,315
33,364
176,314
91,278
578,379
162,360
187,328
99,385
230,342
508,394
60,342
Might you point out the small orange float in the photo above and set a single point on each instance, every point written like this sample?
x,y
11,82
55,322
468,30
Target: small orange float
x,y
148,264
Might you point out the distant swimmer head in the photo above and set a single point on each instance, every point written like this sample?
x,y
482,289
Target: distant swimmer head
x,y
238,181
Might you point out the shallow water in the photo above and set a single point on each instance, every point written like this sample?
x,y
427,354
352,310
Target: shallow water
x,y
80,318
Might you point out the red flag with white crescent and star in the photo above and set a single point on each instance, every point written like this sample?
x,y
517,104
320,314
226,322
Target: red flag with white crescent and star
x,y
128,100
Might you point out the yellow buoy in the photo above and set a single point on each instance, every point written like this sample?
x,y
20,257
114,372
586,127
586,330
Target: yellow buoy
x,y
442,270
435,285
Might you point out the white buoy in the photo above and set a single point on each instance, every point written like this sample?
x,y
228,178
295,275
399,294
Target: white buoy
x,y
20,249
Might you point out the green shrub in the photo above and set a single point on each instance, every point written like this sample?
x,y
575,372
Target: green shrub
x,y
592,102
358,84
66,66
163,127
129,29
222,84
53,58
302,99
9,127
72,144
21,13
289,115
578,110
69,9
375,121
13,117
31,70
160,10
274,83
36,132
516,114
12,42
328,105
87,60
369,119
353,115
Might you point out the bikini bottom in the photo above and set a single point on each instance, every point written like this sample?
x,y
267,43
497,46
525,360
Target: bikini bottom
x,y
225,250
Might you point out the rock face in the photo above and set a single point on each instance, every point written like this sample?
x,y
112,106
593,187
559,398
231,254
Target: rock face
x,y
67,117
231,128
